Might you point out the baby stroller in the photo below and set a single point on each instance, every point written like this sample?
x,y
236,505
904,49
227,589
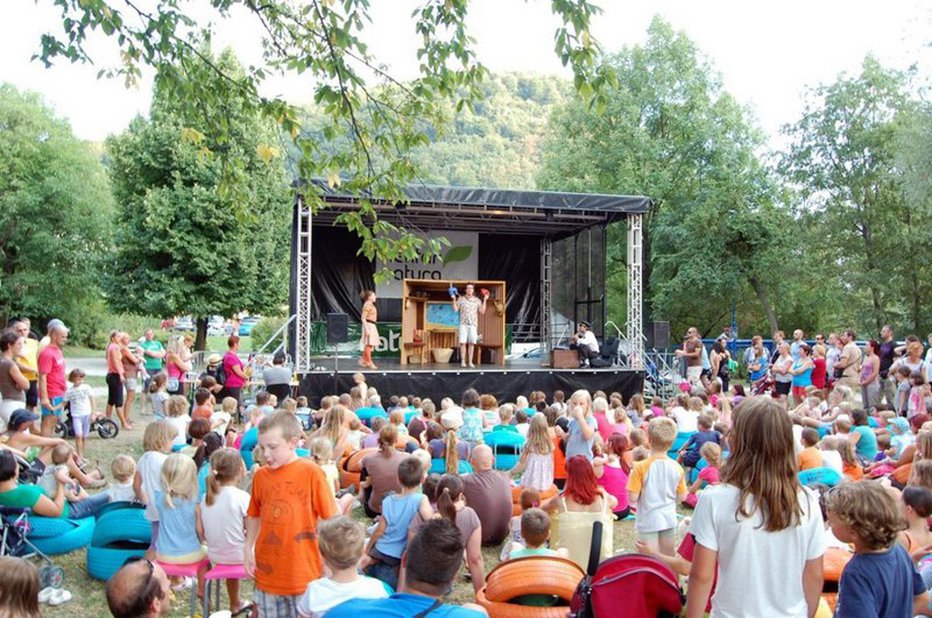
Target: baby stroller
x,y
761,385
645,586
14,523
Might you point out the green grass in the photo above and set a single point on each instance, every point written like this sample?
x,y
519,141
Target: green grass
x,y
89,596
77,351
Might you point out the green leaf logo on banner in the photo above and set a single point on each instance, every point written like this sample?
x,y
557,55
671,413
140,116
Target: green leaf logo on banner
x,y
457,254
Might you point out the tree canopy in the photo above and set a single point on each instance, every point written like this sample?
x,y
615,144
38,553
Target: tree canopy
x,y
199,234
55,214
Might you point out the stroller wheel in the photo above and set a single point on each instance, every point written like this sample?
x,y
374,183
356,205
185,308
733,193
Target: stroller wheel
x,y
61,431
51,576
107,428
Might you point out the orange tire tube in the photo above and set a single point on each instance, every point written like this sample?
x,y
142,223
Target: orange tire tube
x,y
533,575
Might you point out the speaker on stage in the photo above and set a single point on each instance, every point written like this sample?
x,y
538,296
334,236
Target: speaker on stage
x,y
658,336
337,328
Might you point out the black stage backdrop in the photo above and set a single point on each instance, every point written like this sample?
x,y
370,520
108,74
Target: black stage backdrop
x,y
339,274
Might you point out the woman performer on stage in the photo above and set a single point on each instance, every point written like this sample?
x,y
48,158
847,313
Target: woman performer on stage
x,y
370,334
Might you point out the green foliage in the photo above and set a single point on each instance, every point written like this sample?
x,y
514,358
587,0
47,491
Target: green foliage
x,y
55,214
322,40
198,234
263,331
859,160
671,132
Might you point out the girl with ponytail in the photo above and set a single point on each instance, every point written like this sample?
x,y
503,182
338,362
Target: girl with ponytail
x,y
223,515
451,504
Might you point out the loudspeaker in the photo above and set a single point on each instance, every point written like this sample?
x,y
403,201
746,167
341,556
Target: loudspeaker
x,y
337,328
659,335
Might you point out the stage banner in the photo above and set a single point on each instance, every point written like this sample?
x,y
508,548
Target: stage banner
x,y
458,261
389,333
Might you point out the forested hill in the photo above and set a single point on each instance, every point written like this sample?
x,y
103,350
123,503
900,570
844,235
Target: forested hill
x,y
498,143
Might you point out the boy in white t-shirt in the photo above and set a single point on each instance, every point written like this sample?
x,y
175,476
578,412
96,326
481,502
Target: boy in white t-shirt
x,y
341,542
80,397
655,485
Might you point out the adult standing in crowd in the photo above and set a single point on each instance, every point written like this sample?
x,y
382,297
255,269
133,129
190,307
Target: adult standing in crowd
x,y
870,375
488,492
52,384
798,340
719,359
28,360
887,356
849,362
131,365
778,339
115,378
153,355
177,363
234,372
13,385
469,307
692,353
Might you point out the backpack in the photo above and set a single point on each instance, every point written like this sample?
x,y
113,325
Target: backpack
x,y
221,375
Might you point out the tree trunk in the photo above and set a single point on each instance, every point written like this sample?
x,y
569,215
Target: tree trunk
x,y
200,339
764,303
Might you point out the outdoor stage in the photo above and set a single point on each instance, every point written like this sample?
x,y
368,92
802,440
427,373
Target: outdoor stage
x,y
439,380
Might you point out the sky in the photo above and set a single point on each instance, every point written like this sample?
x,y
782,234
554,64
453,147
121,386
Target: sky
x,y
768,53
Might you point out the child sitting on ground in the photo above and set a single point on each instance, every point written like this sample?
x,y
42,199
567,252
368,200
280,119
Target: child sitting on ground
x,y
303,408
916,505
222,515
529,499
810,457
197,429
322,455
123,470
176,410
341,545
535,531
80,504
831,458
388,541
180,533
202,405
712,453
688,455
355,434
655,486
880,579
220,421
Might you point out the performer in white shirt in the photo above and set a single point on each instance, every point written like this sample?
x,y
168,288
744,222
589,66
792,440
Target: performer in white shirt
x,y
585,343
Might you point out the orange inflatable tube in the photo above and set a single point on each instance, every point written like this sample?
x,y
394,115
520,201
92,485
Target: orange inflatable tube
x,y
533,575
545,495
351,466
833,563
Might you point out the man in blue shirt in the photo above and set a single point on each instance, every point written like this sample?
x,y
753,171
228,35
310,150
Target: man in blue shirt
x,y
367,413
429,566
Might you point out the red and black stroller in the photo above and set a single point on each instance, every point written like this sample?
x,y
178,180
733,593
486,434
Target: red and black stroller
x,y
643,585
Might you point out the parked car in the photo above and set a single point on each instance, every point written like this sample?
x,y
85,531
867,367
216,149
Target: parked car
x,y
184,323
246,325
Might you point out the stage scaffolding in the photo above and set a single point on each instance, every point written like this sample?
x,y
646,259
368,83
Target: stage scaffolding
x,y
576,224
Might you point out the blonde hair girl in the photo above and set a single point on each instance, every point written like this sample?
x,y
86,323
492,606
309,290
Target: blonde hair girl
x,y
222,516
758,505
181,533
582,429
536,463
333,429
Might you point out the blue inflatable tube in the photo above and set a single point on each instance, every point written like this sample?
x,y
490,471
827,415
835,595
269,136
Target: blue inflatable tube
x,y
53,536
122,532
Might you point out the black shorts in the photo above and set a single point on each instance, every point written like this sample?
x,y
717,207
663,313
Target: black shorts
x,y
782,388
114,390
32,394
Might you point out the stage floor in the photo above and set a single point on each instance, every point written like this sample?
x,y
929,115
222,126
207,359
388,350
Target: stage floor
x,y
439,380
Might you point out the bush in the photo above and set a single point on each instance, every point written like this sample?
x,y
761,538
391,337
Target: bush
x,y
264,329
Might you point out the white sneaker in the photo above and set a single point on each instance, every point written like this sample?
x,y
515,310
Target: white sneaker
x,y
45,594
471,365
463,364
59,597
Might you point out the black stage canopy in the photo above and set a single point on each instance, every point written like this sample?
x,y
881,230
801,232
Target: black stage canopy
x,y
500,211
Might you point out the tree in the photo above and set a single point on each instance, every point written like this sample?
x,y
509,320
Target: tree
x,y
322,39
197,233
55,213
671,132
843,161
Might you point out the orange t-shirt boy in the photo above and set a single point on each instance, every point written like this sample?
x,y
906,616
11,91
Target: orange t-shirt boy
x,y
289,496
